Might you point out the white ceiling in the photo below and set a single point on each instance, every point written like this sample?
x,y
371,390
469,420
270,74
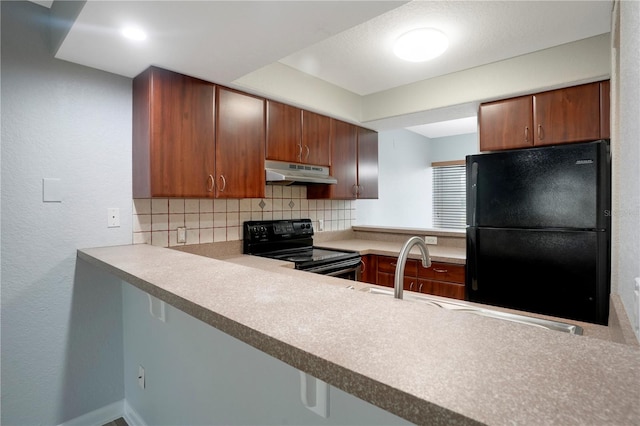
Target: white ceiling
x,y
361,59
345,43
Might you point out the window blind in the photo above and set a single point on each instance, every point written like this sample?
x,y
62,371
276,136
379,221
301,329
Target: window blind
x,y
449,196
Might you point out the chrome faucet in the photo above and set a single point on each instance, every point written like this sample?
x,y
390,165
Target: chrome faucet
x,y
402,261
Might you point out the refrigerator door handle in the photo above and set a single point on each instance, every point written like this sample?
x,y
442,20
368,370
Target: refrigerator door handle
x,y
472,261
473,193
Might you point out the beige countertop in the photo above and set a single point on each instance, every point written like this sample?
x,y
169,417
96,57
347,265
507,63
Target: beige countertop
x,y
387,248
427,365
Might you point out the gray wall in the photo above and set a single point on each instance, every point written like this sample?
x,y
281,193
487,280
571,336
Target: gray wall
x,y
452,148
197,375
403,159
405,183
61,321
626,160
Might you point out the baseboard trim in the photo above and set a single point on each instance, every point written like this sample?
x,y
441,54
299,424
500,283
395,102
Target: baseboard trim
x,y
131,416
100,416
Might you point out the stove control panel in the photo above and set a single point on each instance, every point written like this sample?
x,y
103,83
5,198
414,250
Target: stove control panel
x,y
277,230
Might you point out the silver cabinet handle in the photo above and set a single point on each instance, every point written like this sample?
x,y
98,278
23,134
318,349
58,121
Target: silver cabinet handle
x,y
300,152
224,183
210,183
411,286
440,270
420,289
364,266
540,132
526,133
393,264
354,189
306,157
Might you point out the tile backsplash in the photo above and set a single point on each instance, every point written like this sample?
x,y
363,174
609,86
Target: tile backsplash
x,y
156,220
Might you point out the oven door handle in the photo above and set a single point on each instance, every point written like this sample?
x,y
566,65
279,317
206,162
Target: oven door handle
x,y
336,268
342,271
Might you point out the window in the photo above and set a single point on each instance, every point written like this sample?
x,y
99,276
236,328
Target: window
x,y
449,195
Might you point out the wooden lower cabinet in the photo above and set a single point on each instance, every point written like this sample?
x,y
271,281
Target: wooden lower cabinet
x,y
440,279
369,269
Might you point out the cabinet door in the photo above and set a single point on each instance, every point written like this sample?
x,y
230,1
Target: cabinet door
x,y
344,153
240,140
605,109
441,288
316,139
506,124
566,115
442,272
173,135
387,270
284,132
367,164
369,269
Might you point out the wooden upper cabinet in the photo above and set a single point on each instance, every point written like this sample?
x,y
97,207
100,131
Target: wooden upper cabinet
x,y
344,157
367,164
240,145
572,114
173,135
284,132
605,109
567,115
297,136
506,124
344,153
316,139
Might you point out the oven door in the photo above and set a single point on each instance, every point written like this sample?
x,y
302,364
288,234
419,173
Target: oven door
x,y
349,269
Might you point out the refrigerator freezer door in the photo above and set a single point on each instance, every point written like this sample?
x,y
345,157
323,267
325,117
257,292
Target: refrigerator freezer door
x,y
559,273
564,186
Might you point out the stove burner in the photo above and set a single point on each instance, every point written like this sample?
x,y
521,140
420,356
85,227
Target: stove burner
x,y
292,241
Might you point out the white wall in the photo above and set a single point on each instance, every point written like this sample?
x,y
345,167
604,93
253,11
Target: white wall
x,y
626,161
195,374
404,198
451,148
61,323
405,183
580,61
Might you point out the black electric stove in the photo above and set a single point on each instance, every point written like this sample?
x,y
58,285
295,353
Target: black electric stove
x,y
291,240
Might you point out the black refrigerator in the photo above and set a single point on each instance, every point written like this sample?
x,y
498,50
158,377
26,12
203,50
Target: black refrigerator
x,y
538,230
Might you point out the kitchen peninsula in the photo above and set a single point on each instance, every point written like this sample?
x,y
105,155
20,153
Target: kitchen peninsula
x,y
465,369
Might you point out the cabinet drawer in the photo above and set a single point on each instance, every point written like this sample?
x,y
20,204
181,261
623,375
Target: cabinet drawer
x,y
442,272
441,288
384,279
388,264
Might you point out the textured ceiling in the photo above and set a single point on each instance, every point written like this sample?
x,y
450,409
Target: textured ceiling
x,y
480,32
345,43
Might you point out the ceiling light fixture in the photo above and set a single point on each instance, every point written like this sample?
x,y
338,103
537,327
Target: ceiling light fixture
x,y
421,45
134,33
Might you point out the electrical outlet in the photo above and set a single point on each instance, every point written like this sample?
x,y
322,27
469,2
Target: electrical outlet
x,y
113,218
182,234
141,378
320,224
431,240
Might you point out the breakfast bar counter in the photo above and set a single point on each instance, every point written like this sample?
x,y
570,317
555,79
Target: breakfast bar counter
x,y
471,370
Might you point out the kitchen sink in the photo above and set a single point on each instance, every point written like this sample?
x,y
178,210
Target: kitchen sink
x,y
454,305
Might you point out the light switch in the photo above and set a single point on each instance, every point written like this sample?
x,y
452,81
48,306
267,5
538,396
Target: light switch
x,y
51,190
